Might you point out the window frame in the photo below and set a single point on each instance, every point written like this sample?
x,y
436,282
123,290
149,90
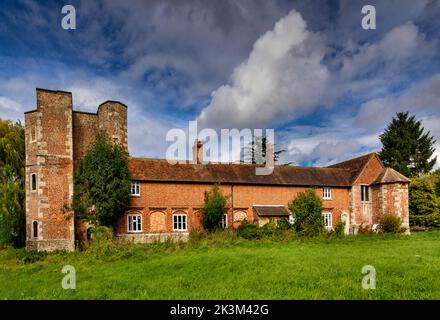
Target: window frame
x,y
330,219
130,223
137,188
180,214
224,221
31,184
35,229
368,193
326,195
33,134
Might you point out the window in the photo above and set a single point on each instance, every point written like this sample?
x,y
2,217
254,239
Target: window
x,y
365,193
135,189
327,219
33,182
179,222
224,221
134,223
35,229
327,193
33,134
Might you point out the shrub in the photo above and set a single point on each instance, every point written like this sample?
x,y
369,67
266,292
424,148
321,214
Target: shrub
x,y
339,230
390,223
249,230
214,208
365,229
31,256
306,209
428,220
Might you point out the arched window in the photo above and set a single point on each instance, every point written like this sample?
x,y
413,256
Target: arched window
x,y
180,222
35,229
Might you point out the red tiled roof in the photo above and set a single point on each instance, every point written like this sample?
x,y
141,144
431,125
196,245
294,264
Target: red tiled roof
x,y
355,165
389,175
159,170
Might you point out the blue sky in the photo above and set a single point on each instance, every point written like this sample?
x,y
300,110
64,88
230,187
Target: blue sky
x,y
305,68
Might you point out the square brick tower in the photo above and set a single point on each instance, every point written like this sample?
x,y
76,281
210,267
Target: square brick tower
x,y
56,139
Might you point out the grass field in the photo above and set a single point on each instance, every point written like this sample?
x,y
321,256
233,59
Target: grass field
x,y
407,267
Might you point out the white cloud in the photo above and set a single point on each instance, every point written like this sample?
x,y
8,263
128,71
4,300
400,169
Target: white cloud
x,y
283,76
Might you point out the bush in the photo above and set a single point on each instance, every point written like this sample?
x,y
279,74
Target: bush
x,y
249,230
214,208
339,230
31,256
390,223
306,209
429,220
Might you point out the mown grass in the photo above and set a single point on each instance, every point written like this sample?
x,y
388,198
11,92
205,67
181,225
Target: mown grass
x,y
223,266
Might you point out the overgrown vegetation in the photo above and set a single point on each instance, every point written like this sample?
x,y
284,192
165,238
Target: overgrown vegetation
x,y
102,183
220,265
214,208
12,184
306,209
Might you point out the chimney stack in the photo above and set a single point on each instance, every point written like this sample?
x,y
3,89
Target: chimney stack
x,y
197,152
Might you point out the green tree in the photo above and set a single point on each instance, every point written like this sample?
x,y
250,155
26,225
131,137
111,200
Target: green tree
x,y
423,199
255,152
102,183
407,148
12,181
214,208
306,209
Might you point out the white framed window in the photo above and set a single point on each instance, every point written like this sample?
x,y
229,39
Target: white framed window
x,y
326,193
134,223
179,222
327,220
33,182
365,193
224,221
135,190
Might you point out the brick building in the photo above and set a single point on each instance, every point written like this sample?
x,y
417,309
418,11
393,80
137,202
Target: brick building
x,y
166,198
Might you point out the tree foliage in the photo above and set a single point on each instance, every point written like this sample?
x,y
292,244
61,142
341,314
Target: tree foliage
x,y
255,152
407,148
102,183
214,207
423,199
12,181
306,209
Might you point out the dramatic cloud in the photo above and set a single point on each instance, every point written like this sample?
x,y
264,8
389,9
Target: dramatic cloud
x,y
282,76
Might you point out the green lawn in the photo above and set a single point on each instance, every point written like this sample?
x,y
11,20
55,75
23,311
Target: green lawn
x,y
408,267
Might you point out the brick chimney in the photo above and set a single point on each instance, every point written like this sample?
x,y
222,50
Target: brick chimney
x,y
197,152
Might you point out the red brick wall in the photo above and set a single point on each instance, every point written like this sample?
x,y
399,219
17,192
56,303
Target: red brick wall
x,y
51,157
85,126
172,197
113,120
367,176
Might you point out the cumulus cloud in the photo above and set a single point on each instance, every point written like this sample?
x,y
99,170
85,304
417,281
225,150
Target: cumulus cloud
x,y
283,76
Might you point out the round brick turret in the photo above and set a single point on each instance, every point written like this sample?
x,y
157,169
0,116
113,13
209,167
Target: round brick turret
x,y
112,119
